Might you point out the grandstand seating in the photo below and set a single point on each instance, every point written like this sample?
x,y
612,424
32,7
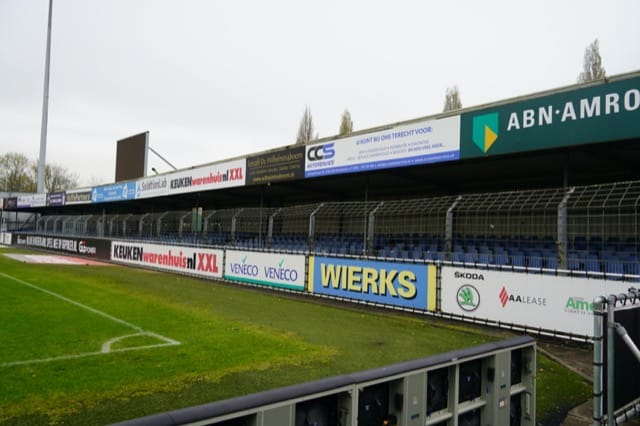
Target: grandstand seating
x,y
591,229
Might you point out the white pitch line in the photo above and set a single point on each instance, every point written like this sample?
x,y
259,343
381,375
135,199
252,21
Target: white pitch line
x,y
73,302
85,355
105,349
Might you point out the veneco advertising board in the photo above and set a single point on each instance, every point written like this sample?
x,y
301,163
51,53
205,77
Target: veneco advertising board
x,y
186,260
269,269
89,247
429,141
205,178
563,304
398,284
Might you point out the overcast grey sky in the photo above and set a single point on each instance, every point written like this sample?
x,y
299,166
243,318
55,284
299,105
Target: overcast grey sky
x,y
211,80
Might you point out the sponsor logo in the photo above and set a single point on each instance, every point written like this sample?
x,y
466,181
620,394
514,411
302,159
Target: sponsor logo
x,y
468,298
578,305
280,272
230,175
321,156
581,109
362,279
506,297
244,268
468,275
86,249
485,130
123,252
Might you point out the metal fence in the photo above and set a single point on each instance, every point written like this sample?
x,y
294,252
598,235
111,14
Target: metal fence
x,y
590,228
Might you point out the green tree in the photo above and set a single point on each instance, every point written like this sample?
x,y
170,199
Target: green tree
x,y
346,124
306,129
452,99
14,173
592,68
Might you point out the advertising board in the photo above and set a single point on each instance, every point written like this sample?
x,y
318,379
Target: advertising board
x,y
596,113
398,284
548,302
56,198
205,178
89,247
157,186
429,141
78,196
115,192
270,269
187,260
32,200
276,166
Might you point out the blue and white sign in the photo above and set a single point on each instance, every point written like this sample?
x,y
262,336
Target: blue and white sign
x,y
430,141
271,269
116,192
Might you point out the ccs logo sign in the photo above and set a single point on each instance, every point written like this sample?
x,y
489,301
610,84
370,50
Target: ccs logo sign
x,y
321,152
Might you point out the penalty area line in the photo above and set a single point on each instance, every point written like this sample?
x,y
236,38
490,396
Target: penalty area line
x,y
169,342
106,347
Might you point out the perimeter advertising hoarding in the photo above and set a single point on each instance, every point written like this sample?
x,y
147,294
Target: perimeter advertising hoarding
x,y
206,178
115,192
598,113
82,196
270,269
276,166
89,247
186,260
407,285
563,304
32,200
429,141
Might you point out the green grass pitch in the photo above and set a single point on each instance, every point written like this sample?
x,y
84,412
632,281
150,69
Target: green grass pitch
x,y
99,344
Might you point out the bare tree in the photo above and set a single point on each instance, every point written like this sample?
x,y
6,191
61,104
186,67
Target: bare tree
x,y
14,173
592,68
346,124
452,99
56,177
305,131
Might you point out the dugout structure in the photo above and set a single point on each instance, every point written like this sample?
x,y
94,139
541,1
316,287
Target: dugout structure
x,y
616,387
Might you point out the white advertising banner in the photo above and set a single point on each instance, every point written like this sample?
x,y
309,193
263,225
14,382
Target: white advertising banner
x,y
189,260
555,303
213,176
271,269
157,186
32,200
429,141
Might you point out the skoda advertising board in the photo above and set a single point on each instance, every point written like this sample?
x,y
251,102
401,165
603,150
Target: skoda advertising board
x,y
548,302
390,283
429,141
270,269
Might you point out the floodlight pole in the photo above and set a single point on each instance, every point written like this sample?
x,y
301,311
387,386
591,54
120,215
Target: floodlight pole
x,y
45,108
